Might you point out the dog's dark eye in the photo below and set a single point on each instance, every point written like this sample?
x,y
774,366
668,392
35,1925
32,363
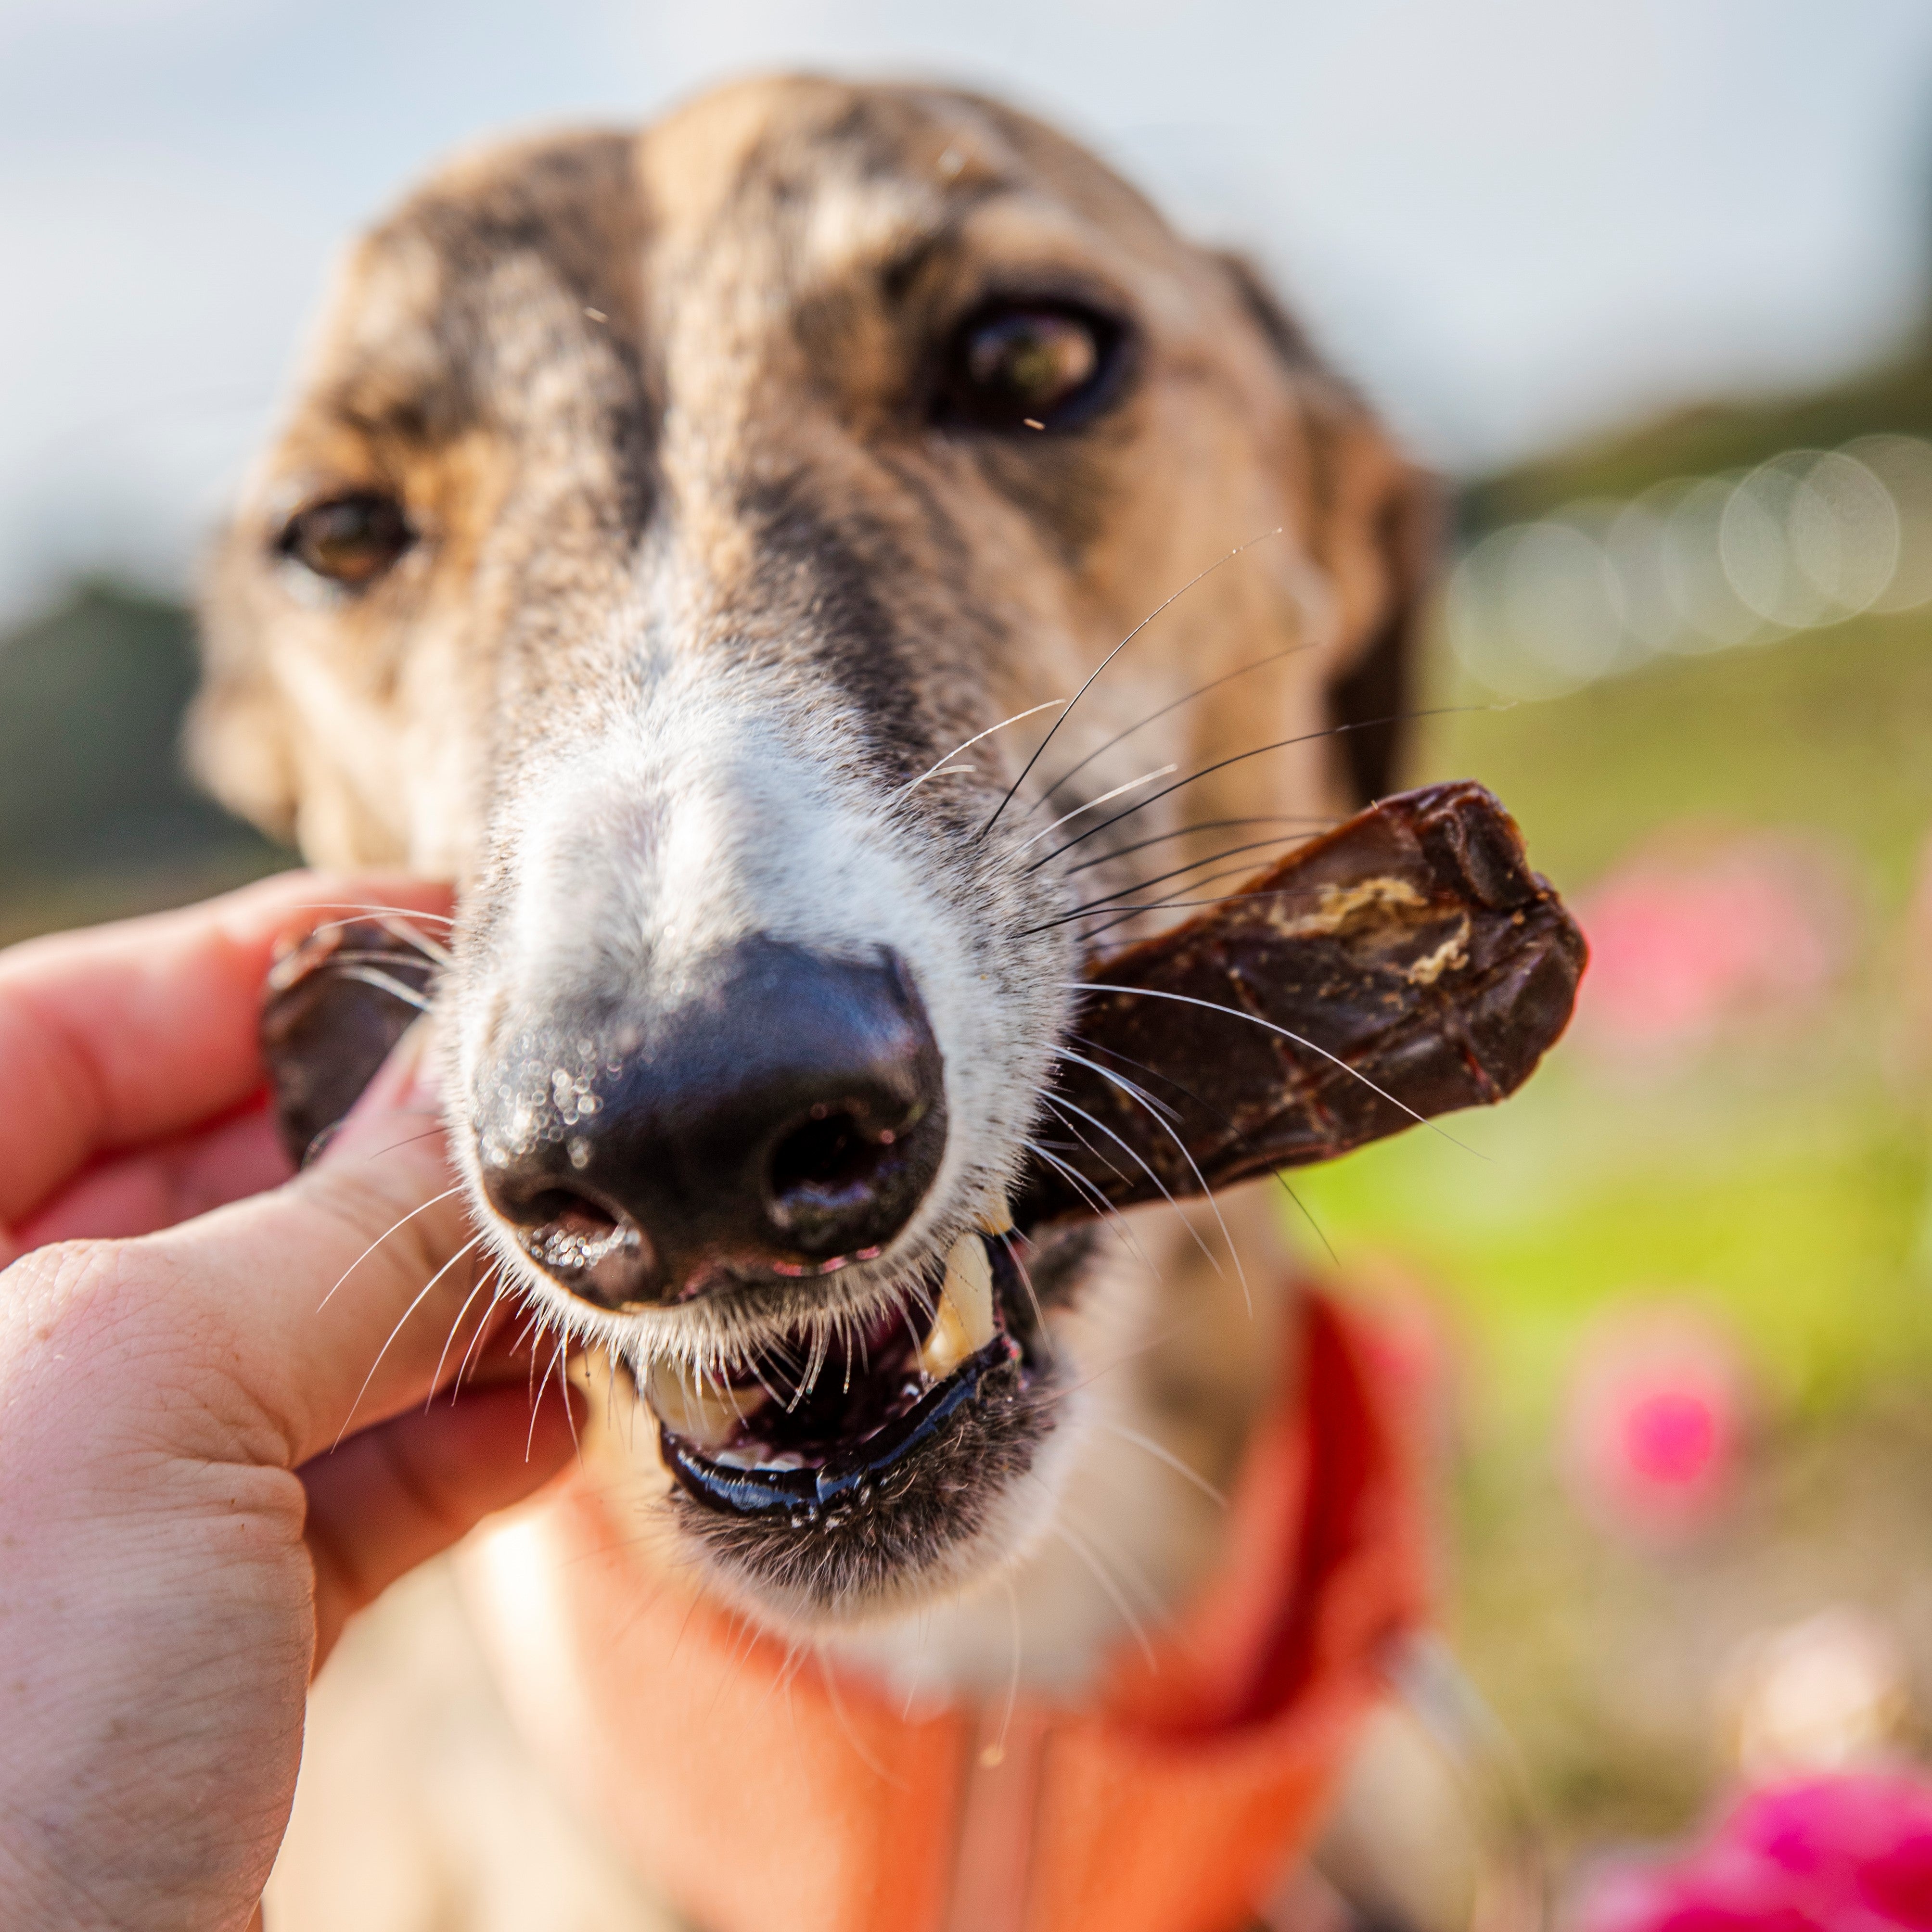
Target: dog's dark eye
x,y
350,540
1038,366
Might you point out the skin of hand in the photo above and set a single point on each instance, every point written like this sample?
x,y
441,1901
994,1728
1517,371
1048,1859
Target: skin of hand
x,y
185,1331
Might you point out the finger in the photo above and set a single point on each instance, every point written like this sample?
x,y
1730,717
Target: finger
x,y
181,1177
395,1496
329,1302
114,1037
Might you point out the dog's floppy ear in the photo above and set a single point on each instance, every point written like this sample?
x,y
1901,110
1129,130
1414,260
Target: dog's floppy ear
x,y
1380,520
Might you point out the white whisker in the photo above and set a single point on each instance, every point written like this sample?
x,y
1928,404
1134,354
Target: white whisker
x,y
946,763
1162,1454
1059,1103
1269,1026
1092,804
1093,676
1116,1594
420,1294
436,1379
400,1222
1153,1107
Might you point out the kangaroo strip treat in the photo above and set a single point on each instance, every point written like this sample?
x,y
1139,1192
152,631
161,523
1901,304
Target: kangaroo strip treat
x,y
1405,964
335,1002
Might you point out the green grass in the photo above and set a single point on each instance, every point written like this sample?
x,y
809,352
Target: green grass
x,y
1830,730
1799,1224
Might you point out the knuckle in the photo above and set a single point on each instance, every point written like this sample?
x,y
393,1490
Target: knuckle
x,y
82,1306
66,1282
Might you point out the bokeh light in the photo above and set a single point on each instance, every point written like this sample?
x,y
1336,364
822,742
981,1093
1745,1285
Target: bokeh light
x,y
1694,565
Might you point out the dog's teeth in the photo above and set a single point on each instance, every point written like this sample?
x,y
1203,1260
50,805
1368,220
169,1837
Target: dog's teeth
x,y
700,1411
997,1219
964,1324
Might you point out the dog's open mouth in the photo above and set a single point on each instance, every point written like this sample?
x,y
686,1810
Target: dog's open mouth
x,y
805,1428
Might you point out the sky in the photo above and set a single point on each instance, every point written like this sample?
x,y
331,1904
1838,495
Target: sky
x,y
1511,221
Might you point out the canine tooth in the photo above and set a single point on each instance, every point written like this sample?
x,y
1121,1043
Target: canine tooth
x,y
700,1411
963,1324
997,1219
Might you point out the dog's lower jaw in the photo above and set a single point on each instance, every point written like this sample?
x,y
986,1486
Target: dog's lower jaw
x,y
1169,1364
1092,1539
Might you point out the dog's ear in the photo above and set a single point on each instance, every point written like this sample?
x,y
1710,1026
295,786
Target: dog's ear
x,y
1380,520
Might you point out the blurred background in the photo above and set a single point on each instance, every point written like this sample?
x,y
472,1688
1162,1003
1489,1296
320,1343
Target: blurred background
x,y
1648,281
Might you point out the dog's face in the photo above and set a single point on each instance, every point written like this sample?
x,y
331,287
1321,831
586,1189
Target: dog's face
x,y
662,520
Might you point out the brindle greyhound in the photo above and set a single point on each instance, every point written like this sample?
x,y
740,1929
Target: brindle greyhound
x,y
683,540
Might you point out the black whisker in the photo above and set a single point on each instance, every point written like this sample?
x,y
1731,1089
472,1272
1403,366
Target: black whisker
x,y
1102,908
1227,1121
945,764
1153,717
1279,745
1092,804
1298,1040
1180,872
994,819
1315,822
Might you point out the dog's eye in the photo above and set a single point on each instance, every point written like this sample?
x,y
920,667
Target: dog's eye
x,y
350,540
1038,366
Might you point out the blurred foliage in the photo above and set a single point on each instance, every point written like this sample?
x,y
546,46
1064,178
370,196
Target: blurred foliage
x,y
1713,437
97,817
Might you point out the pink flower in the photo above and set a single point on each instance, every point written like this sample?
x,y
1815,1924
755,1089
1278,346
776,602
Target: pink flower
x,y
1682,943
1651,1427
1849,1854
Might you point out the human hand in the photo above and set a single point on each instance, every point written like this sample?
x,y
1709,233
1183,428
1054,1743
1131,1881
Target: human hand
x,y
179,1545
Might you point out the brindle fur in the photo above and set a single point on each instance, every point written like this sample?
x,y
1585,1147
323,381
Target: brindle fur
x,y
692,555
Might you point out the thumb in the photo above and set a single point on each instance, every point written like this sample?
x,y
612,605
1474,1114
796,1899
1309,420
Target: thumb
x,y
332,1301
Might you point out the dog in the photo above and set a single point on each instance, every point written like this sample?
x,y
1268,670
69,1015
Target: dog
x,y
700,544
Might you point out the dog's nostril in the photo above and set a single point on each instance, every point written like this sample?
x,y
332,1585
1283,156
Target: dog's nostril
x,y
828,1157
568,1213
562,1227
601,1256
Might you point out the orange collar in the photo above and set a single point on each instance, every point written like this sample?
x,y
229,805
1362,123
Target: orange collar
x,y
1170,1800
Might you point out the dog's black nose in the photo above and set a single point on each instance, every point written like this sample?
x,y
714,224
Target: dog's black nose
x,y
785,1116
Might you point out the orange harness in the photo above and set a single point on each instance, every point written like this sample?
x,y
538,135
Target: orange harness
x,y
765,1799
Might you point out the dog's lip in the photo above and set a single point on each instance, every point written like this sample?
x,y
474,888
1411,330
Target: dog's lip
x,y
801,1492
754,1477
